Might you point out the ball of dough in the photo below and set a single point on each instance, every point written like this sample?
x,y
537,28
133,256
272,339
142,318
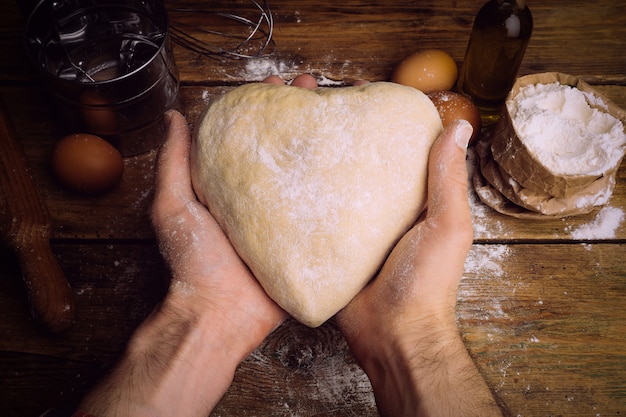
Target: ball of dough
x,y
314,187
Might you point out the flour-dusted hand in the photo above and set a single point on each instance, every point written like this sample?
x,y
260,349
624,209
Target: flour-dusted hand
x,y
182,359
203,263
402,327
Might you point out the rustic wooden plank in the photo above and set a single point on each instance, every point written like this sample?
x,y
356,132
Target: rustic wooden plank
x,y
548,345
546,327
300,371
544,324
31,384
116,286
374,37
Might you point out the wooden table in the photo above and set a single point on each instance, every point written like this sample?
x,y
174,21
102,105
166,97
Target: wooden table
x,y
542,303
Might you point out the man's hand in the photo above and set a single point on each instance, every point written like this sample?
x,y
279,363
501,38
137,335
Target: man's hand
x,y
208,277
402,327
182,359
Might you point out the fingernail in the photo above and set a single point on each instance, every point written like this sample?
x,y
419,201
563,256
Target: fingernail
x,y
463,133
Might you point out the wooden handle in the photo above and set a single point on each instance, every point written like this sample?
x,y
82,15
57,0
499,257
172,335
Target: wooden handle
x,y
51,297
26,228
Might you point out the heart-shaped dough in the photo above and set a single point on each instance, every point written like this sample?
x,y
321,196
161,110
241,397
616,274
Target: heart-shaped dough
x,y
314,187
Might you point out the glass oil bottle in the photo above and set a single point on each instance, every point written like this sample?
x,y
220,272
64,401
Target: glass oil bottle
x,y
499,38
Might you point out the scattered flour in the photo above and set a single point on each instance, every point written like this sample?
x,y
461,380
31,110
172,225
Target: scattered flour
x,y
186,289
486,260
259,68
485,225
567,129
604,226
327,82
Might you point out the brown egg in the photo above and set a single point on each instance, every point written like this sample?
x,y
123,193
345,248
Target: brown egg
x,y
428,70
452,106
87,163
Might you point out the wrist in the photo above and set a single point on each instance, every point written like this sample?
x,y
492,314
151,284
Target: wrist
x,y
399,333
169,357
240,321
421,373
404,359
186,352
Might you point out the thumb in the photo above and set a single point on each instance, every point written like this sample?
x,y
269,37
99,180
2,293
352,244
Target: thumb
x,y
448,219
447,175
173,156
173,183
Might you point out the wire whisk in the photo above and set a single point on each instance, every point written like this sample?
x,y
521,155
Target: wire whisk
x,y
213,34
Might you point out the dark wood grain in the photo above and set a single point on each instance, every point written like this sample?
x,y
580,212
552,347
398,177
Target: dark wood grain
x,y
25,227
540,310
549,345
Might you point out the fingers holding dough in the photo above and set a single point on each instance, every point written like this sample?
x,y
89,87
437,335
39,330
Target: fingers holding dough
x,y
274,79
305,81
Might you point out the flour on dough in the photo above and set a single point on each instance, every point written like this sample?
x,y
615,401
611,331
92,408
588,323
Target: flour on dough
x,y
314,187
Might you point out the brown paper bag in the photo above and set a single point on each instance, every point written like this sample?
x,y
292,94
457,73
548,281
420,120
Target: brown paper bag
x,y
513,156
513,182
507,196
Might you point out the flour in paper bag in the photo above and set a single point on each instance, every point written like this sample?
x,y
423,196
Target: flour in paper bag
x,y
566,129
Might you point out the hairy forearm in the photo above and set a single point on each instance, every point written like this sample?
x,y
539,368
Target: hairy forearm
x,y
447,380
430,375
177,363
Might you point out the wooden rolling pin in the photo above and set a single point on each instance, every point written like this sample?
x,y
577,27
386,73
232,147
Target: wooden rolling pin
x,y
25,226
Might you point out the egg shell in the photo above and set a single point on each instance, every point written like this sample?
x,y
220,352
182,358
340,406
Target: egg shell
x,y
87,163
453,106
428,70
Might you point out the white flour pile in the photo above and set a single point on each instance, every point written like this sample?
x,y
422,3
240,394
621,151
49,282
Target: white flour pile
x,y
259,68
565,129
604,226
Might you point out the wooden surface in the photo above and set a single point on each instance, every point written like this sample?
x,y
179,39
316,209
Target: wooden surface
x,y
541,304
